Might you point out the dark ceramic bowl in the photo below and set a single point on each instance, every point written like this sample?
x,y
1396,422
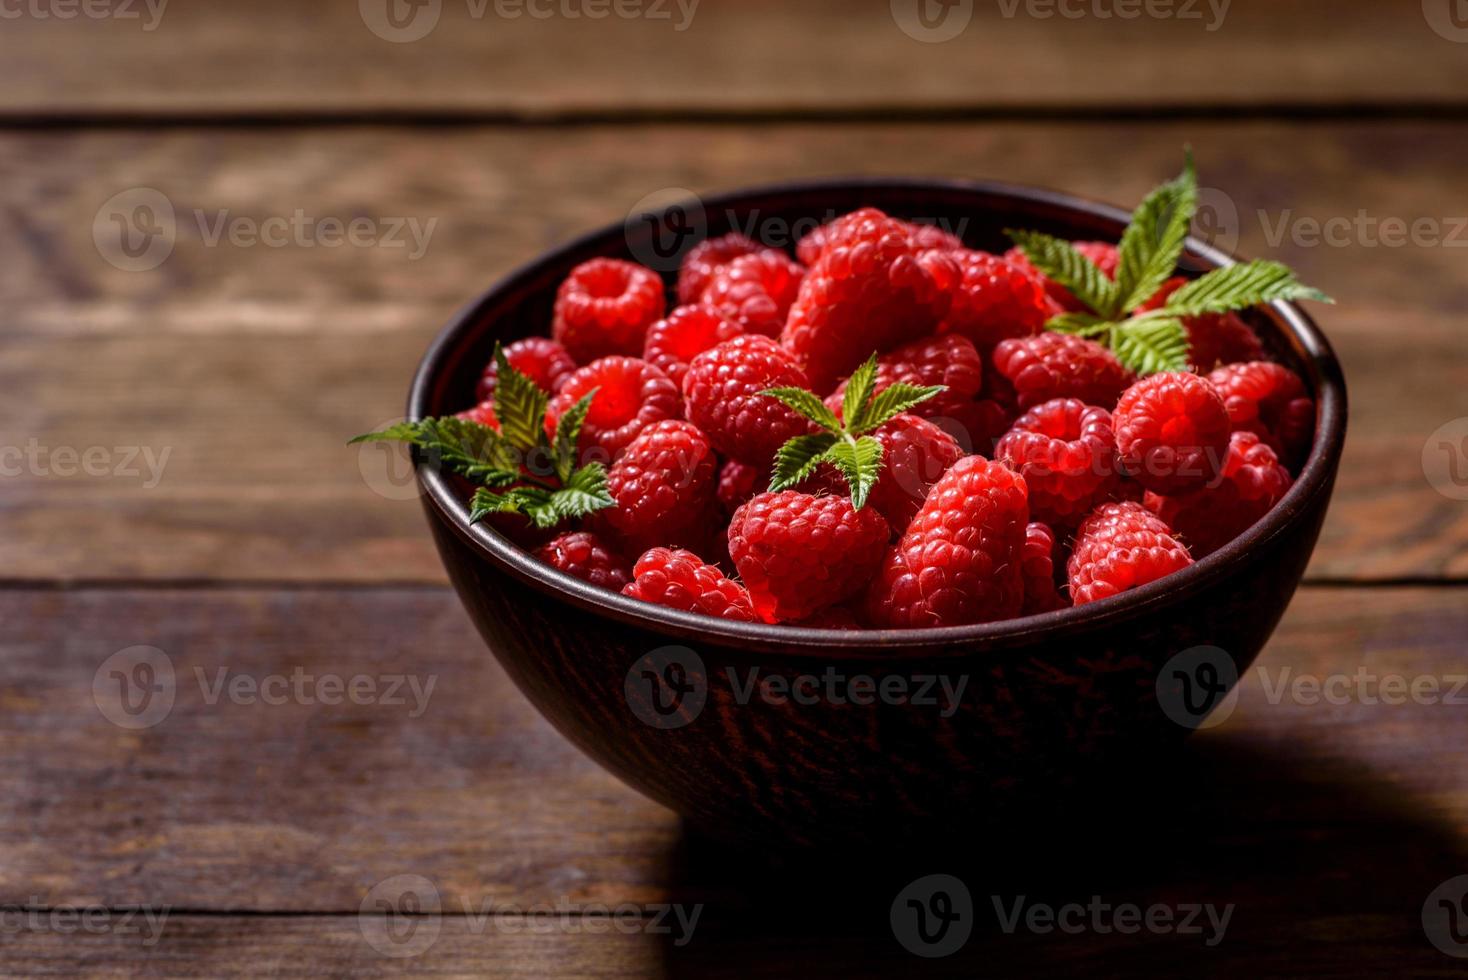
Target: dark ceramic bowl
x,y
865,744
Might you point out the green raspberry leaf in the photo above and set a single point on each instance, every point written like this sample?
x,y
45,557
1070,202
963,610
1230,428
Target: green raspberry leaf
x,y
798,459
584,493
860,461
519,404
808,405
568,435
1238,287
467,448
1059,260
892,401
1080,325
1153,240
859,389
1150,345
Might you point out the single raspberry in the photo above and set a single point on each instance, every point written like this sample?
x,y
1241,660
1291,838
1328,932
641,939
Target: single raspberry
x,y
951,361
682,580
708,257
483,413
1251,483
870,291
960,560
1171,431
1218,338
631,394
1103,254
915,454
663,484
810,248
1269,400
994,301
1053,365
1121,546
755,291
738,482
799,553
605,307
1037,567
588,557
722,388
682,335
931,236
1066,452
545,361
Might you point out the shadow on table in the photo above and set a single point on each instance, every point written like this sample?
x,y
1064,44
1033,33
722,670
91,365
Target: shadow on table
x,y
1274,865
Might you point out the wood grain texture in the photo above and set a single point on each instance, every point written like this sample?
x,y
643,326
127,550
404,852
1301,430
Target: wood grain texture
x,y
277,58
251,365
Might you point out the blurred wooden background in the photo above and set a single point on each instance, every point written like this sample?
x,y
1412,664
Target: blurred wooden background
x,y
263,545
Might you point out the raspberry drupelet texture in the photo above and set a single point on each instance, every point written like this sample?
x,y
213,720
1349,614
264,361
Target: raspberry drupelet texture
x,y
605,307
738,482
1105,256
588,557
994,301
951,361
722,389
682,580
663,485
922,236
1251,483
542,359
1270,401
799,553
960,560
1118,547
708,257
1218,338
755,291
631,394
682,335
1171,432
1066,452
1053,365
483,413
1037,565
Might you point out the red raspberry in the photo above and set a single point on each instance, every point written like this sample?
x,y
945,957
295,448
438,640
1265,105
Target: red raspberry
x,y
995,301
544,360
870,291
1218,338
1172,432
723,388
588,557
1252,482
1119,547
681,580
959,562
798,554
755,291
1066,452
631,394
604,307
950,361
684,334
915,454
1053,365
708,257
663,484
1103,254
931,236
810,248
1269,400
1037,566
738,482
483,413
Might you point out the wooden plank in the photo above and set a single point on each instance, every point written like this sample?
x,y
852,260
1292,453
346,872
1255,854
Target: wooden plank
x,y
277,58
251,365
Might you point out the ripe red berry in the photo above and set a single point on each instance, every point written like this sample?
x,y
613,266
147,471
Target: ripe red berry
x,y
542,359
682,580
1037,566
722,388
960,560
799,553
483,413
1269,400
1251,483
1053,365
1171,431
1121,546
682,335
755,291
605,307
951,361
663,484
994,301
1066,452
588,557
923,237
631,394
708,257
915,454
1103,254
738,482
1218,338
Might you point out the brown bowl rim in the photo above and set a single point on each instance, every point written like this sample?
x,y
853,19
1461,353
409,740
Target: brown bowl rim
x,y
1315,477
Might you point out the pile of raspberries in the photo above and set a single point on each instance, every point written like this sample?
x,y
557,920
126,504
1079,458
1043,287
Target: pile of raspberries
x,y
1045,475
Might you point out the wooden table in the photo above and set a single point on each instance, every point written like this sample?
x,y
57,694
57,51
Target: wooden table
x,y
261,546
